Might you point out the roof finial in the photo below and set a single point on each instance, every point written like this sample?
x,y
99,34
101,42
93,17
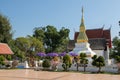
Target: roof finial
x,y
82,11
82,21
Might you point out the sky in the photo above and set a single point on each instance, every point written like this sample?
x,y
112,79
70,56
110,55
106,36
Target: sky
x,y
25,15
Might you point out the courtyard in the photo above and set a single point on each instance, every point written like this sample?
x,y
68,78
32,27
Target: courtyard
x,y
30,74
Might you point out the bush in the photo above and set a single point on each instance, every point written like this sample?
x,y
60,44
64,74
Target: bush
x,y
98,61
8,65
2,60
9,57
14,63
66,62
46,63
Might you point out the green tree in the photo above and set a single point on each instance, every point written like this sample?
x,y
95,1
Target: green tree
x,y
5,29
28,46
116,48
66,62
53,40
39,33
64,39
2,58
46,63
18,54
115,52
98,62
83,60
9,57
23,44
76,59
35,45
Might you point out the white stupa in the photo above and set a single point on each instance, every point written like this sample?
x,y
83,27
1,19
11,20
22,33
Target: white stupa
x,y
82,45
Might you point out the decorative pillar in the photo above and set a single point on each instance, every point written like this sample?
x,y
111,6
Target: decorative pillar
x,y
26,65
36,63
107,60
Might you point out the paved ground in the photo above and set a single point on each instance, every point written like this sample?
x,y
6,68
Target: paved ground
x,y
27,74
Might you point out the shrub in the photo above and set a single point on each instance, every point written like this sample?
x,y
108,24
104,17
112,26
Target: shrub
x,y
98,61
9,57
2,60
66,62
14,63
83,60
46,63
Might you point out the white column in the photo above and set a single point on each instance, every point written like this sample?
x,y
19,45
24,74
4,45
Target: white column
x,y
26,65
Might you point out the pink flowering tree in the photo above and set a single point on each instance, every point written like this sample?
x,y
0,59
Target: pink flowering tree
x,y
54,63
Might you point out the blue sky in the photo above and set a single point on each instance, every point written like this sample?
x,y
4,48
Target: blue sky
x,y
25,15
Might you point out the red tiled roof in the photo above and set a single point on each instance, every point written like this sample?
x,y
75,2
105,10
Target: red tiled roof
x,y
107,35
97,33
5,49
94,33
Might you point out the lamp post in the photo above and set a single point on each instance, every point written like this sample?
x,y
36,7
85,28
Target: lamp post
x,y
119,25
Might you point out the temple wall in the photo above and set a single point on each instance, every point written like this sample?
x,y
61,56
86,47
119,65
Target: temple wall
x,y
99,52
111,68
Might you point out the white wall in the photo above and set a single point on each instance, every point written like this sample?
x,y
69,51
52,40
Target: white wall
x,y
111,68
99,52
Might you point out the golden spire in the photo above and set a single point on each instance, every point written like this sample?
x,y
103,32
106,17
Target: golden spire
x,y
82,37
82,20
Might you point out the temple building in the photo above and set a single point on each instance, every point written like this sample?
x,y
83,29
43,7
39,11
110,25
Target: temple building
x,y
94,41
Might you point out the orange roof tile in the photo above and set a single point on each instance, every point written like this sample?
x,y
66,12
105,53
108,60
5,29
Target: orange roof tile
x,y
5,49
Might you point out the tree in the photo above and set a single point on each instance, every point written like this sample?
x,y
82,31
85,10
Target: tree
x,y
66,62
98,62
64,39
53,40
35,45
18,54
39,33
2,58
76,59
116,48
115,52
23,44
83,60
46,63
5,29
28,46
